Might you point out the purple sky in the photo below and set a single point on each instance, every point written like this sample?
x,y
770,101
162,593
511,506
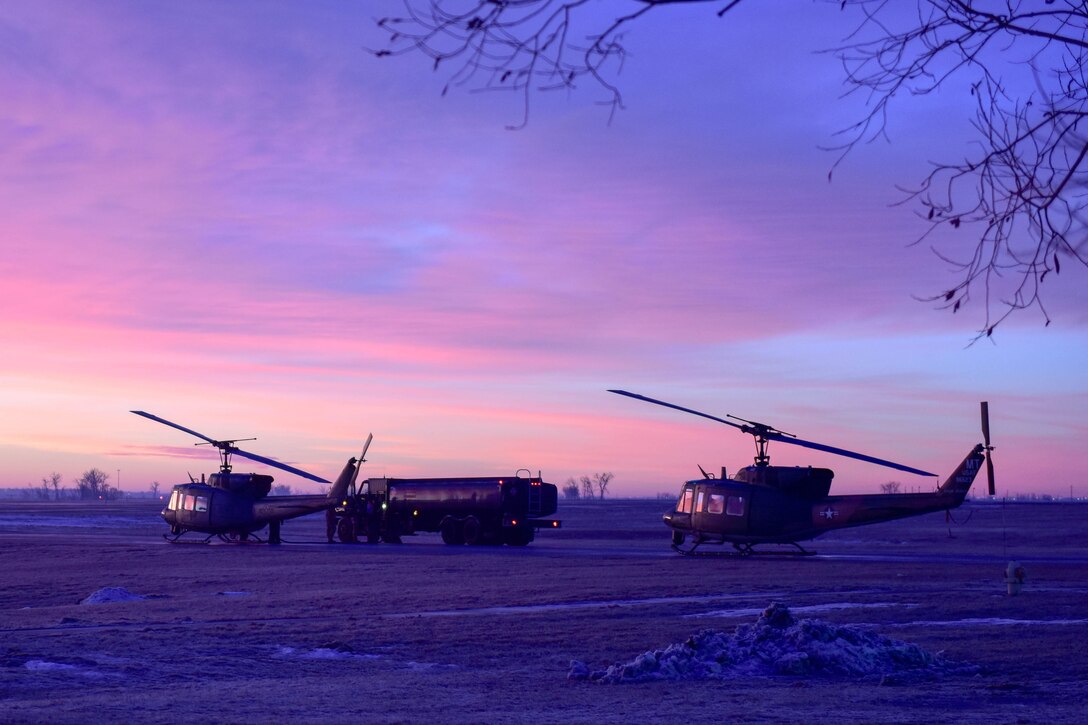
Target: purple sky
x,y
232,216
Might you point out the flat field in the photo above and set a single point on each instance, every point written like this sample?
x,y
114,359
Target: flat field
x,y
422,632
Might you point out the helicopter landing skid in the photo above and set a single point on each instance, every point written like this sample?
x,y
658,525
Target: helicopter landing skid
x,y
240,538
741,551
173,538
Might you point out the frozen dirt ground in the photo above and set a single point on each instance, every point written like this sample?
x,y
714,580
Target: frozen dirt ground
x,y
423,632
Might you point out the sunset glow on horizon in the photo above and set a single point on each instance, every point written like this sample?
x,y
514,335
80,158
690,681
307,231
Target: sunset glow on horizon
x,y
234,217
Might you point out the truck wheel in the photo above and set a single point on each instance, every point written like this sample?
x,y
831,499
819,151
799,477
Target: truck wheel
x,y
471,529
345,530
451,531
518,536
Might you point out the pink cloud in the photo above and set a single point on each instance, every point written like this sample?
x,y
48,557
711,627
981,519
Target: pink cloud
x,y
270,233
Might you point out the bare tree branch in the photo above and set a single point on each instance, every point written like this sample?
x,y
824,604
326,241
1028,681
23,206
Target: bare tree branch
x,y
1022,190
520,46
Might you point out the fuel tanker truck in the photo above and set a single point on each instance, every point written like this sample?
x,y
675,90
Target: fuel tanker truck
x,y
484,510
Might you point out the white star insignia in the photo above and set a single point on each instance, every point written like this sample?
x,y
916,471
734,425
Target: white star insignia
x,y
829,513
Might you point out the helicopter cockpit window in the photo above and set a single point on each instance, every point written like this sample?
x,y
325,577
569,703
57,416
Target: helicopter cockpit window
x,y
188,502
173,505
734,506
686,499
716,504
699,502
201,503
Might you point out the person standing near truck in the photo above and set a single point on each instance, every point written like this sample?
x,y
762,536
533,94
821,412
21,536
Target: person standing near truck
x,y
330,523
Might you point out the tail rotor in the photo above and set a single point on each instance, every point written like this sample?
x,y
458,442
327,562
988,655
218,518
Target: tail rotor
x,y
362,460
986,443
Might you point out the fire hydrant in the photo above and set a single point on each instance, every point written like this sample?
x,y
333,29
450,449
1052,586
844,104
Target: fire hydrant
x,y
1014,578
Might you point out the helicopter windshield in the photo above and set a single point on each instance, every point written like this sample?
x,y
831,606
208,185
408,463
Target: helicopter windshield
x,y
187,502
687,497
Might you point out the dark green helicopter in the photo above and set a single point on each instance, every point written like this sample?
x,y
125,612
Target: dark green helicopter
x,y
234,506
765,504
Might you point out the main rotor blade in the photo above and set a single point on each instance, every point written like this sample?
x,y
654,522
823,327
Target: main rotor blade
x,y
190,431
636,396
276,464
773,435
231,449
848,454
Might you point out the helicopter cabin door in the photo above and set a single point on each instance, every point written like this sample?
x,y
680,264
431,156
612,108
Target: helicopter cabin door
x,y
192,507
720,510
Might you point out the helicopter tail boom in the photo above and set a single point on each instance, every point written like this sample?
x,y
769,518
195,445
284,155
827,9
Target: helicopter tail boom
x,y
349,474
959,483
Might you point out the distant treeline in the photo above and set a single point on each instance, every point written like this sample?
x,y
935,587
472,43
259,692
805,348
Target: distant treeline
x,y
34,493
93,485
587,488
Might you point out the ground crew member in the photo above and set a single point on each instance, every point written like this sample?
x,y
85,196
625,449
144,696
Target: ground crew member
x,y
330,523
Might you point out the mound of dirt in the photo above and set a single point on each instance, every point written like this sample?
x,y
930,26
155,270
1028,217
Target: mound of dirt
x,y
108,595
776,644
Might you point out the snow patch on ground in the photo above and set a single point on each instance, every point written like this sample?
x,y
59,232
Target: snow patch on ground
x,y
109,595
777,644
988,621
46,666
807,609
342,651
427,666
563,606
333,651
87,669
